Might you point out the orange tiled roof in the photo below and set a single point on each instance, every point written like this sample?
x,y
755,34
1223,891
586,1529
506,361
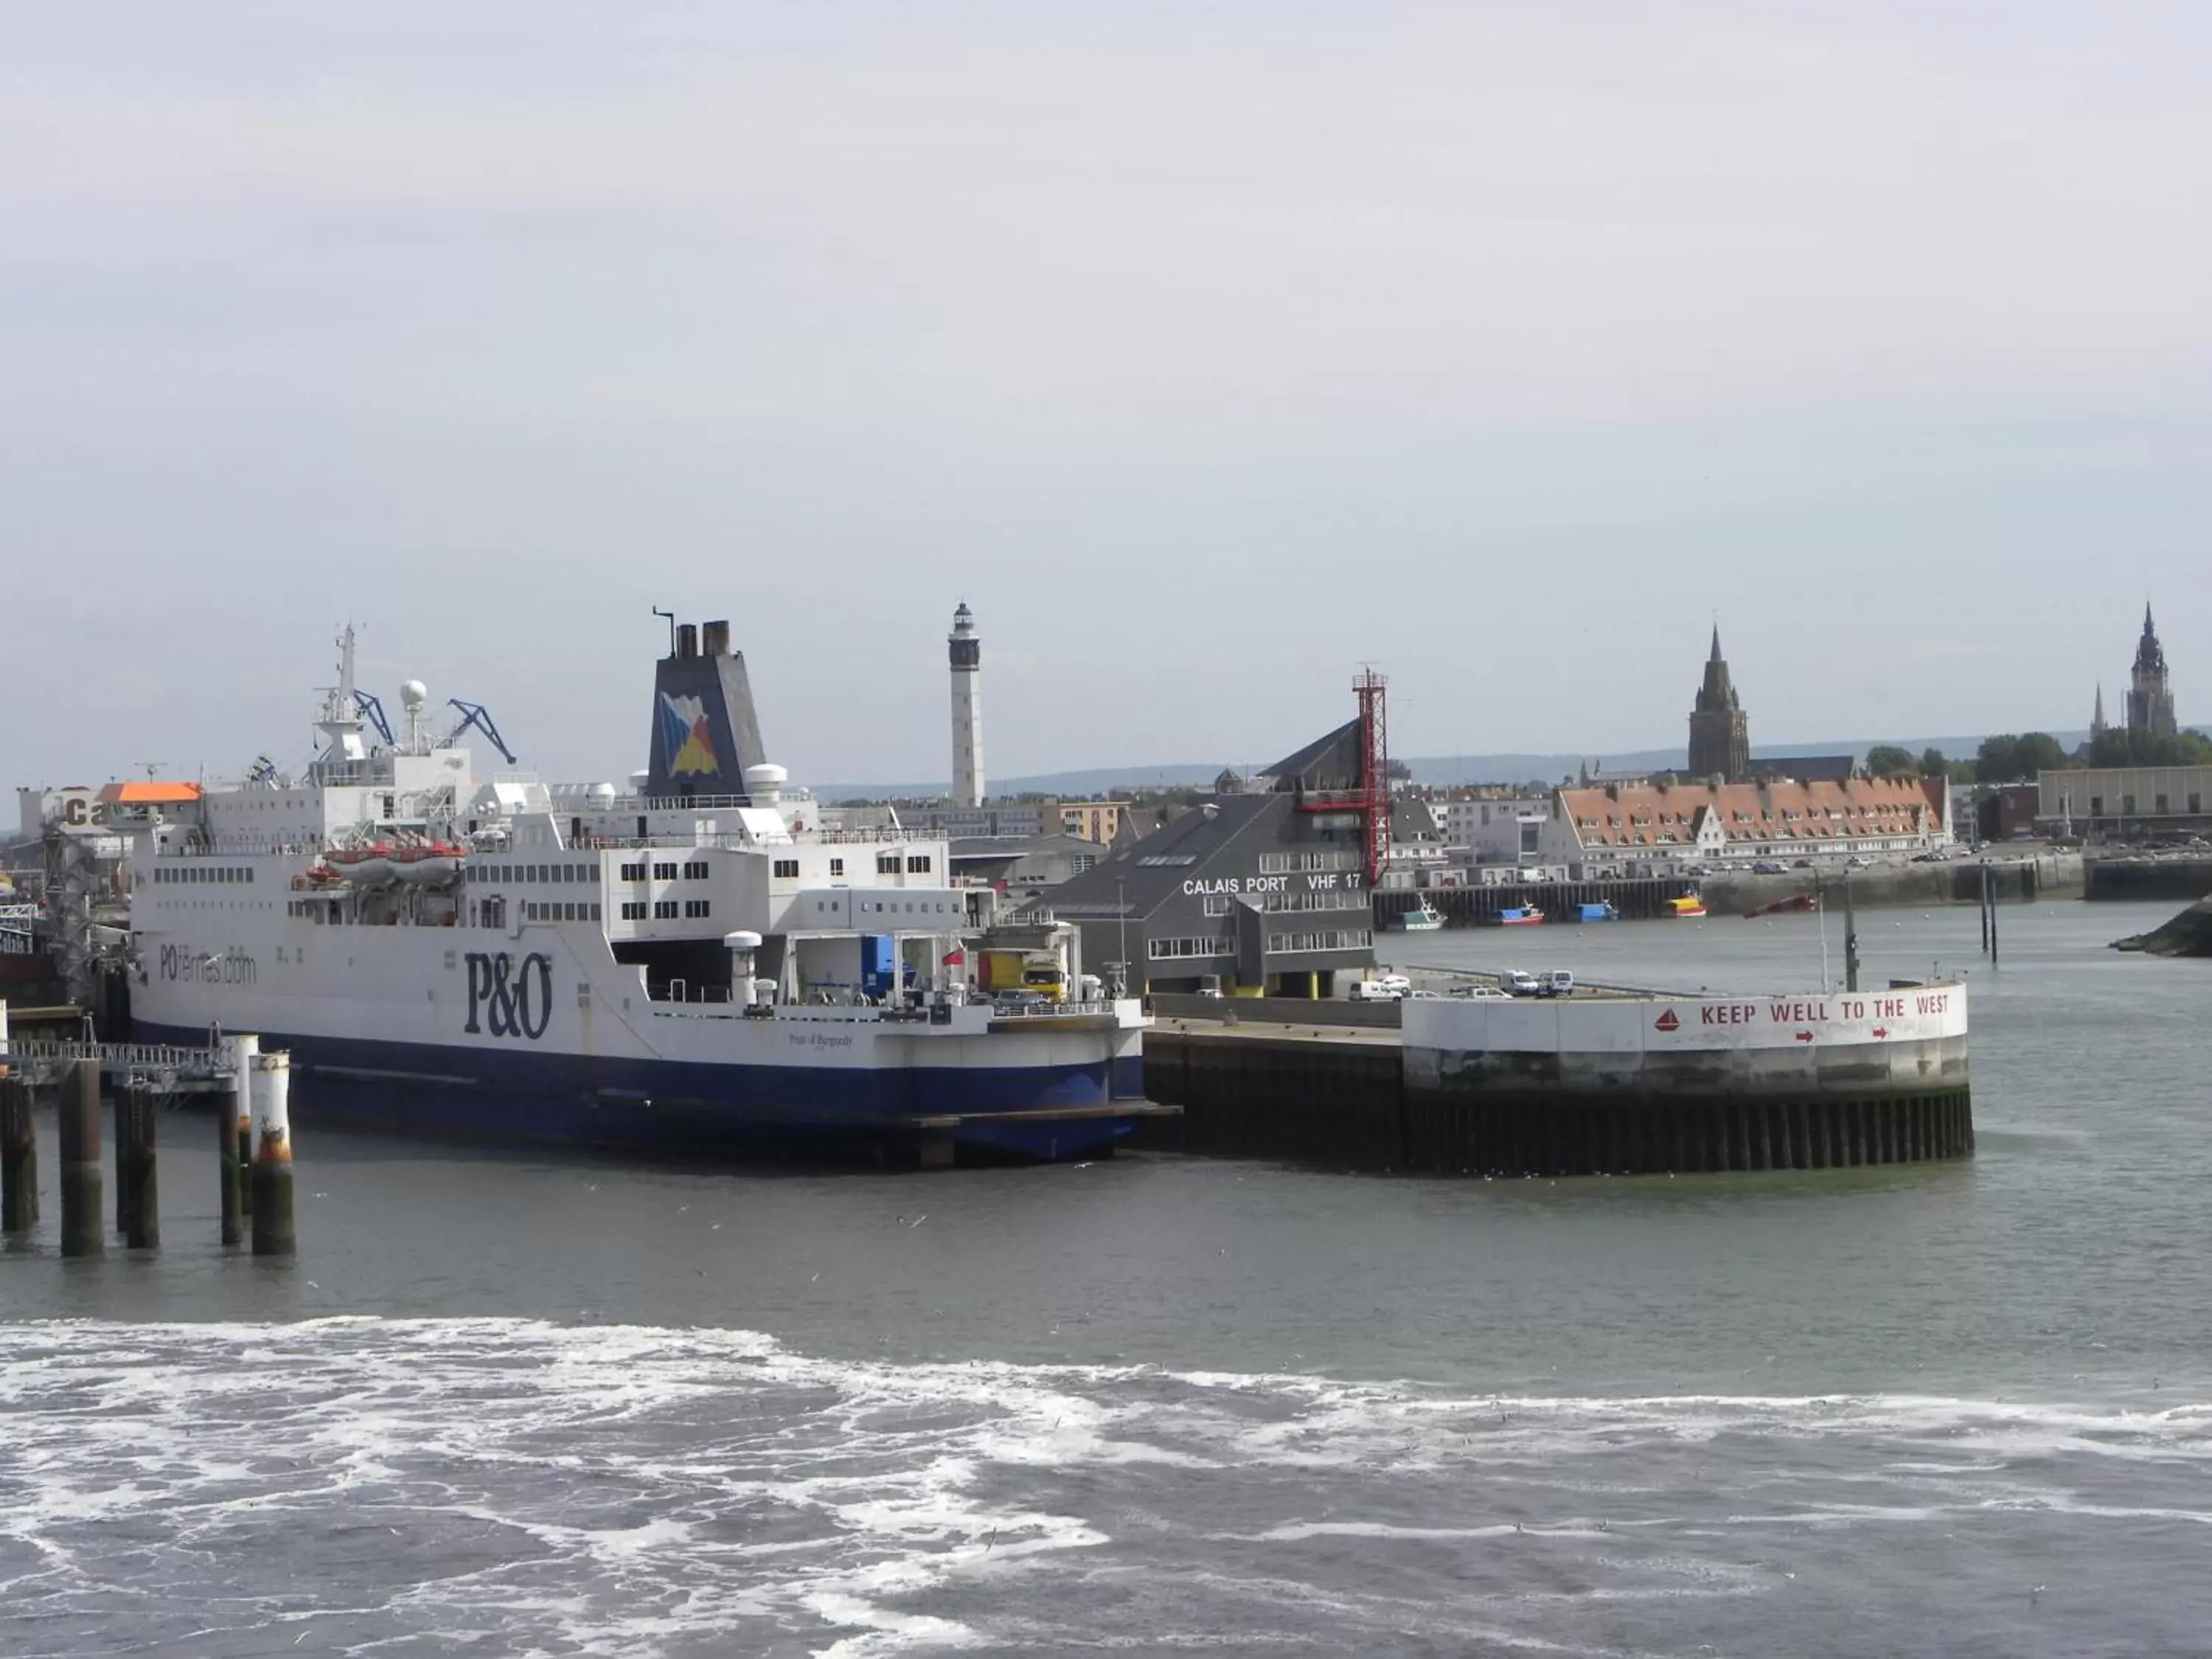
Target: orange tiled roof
x,y
1644,815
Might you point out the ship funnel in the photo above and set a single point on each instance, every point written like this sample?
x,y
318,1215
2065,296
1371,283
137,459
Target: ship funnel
x,y
714,639
705,732
765,784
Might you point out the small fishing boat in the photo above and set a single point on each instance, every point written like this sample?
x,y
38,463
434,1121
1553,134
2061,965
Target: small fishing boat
x,y
1526,915
1692,906
1423,918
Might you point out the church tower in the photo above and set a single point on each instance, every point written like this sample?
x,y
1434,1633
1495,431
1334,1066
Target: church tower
x,y
2150,697
1720,737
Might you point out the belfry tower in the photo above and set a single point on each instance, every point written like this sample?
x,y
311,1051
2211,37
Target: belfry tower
x,y
2150,696
966,650
1720,737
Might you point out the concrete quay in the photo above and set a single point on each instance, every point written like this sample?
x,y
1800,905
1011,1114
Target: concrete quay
x,y
1620,1085
2146,876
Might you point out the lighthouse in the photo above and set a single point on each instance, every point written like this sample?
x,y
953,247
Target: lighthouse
x,y
966,651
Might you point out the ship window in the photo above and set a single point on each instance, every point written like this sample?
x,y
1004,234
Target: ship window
x,y
696,870
595,913
633,910
633,872
664,909
918,865
887,864
545,873
697,908
786,869
837,865
664,872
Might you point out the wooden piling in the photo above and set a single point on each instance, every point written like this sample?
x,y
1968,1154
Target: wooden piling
x,y
135,1168
229,1170
19,1157
273,1230
82,1233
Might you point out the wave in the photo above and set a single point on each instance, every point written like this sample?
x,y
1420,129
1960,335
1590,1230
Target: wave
x,y
616,1489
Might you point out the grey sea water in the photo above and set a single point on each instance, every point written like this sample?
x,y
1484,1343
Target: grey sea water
x,y
510,1404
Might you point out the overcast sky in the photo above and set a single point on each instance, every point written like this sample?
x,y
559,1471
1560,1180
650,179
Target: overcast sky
x,y
1208,350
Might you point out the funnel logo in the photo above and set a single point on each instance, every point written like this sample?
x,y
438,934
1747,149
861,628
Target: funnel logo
x,y
686,739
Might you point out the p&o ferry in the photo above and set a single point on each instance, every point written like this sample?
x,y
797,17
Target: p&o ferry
x,y
693,964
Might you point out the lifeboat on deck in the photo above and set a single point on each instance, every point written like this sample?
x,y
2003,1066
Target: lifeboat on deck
x,y
322,875
430,865
369,865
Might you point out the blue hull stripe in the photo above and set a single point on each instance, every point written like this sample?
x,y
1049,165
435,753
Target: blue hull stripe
x,y
669,1106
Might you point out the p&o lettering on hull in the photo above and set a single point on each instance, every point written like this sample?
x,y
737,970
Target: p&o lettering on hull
x,y
507,999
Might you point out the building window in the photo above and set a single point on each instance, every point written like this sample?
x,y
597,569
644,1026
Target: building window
x,y
1167,949
1217,904
2196,803
2161,806
917,864
664,909
786,869
2127,805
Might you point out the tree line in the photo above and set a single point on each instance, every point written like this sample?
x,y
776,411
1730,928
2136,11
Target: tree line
x,y
2015,757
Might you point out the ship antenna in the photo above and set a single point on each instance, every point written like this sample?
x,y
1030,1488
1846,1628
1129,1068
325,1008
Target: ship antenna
x,y
670,615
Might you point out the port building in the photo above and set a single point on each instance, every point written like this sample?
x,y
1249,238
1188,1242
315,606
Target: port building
x,y
1267,886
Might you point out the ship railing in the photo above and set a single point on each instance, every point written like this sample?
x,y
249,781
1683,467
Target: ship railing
x,y
235,847
1048,1010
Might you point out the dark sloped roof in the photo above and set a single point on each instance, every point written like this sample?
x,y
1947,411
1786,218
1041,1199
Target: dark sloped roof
x,y
1329,761
1145,874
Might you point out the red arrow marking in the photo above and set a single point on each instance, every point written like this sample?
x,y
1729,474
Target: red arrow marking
x,y
1880,1031
1804,1036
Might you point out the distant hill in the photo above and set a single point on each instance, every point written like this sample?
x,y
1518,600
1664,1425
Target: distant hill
x,y
1440,770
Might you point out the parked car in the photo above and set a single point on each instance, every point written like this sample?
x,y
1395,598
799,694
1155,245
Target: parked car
x,y
1019,999
1479,993
1555,983
1858,863
1515,983
1766,867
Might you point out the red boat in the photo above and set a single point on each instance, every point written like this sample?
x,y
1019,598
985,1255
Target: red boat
x,y
1526,916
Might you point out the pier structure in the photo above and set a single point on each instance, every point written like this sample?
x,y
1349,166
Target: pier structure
x,y
142,1080
1620,1085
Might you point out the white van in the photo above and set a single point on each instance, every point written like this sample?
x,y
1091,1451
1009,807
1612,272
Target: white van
x,y
1383,987
1514,983
1555,983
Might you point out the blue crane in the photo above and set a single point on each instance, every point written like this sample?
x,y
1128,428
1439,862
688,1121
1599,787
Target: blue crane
x,y
476,714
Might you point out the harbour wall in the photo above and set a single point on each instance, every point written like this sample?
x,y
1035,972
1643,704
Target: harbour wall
x,y
1603,1085
2182,879
2047,875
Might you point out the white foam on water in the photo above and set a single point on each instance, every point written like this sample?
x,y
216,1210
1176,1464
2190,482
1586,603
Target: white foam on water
x,y
605,1489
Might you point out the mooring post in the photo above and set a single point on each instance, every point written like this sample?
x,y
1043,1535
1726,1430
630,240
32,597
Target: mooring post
x,y
1993,925
19,1157
134,1154
229,1106
242,1051
82,1234
1985,909
272,1156
1851,938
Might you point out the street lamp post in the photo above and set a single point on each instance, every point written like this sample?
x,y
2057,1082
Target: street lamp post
x,y
1122,912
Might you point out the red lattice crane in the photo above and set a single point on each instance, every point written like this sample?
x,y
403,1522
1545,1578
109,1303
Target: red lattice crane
x,y
1373,691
